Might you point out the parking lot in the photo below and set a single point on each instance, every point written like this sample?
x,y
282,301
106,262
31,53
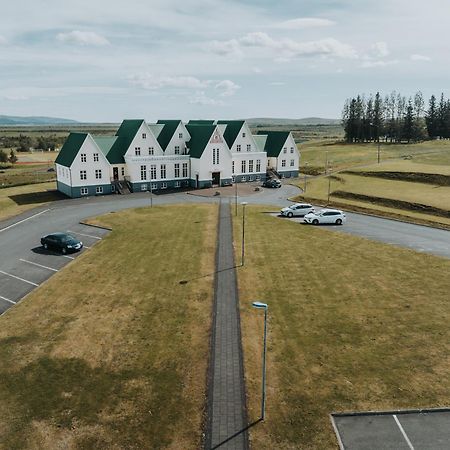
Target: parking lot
x,y
409,430
35,265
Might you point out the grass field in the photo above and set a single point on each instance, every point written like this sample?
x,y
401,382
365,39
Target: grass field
x,y
112,351
16,200
353,325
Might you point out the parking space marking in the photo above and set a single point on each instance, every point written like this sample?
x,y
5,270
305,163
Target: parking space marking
x,y
24,220
38,265
67,256
403,431
7,300
18,278
87,235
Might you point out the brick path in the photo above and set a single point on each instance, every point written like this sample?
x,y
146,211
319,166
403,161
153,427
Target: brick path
x,y
227,417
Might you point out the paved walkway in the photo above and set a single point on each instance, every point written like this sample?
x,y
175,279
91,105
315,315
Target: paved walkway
x,y
227,418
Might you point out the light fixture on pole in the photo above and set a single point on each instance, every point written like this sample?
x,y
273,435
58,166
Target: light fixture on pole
x,y
243,233
264,306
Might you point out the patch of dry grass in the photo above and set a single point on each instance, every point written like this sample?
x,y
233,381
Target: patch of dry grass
x,y
112,351
353,325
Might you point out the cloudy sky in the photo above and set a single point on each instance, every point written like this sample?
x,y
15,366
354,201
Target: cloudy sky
x,y
98,60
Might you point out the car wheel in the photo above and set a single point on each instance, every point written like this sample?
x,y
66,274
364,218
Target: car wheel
x,y
46,246
64,250
315,222
290,215
339,222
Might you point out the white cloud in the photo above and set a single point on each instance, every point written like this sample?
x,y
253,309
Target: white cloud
x,y
153,82
372,64
304,22
227,87
417,57
380,50
226,48
201,98
88,38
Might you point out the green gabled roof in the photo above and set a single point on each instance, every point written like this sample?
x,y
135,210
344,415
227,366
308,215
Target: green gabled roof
x,y
232,130
125,134
200,136
155,128
70,149
167,132
201,122
274,142
105,143
260,141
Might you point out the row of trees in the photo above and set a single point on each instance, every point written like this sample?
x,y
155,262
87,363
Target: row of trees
x,y
395,118
24,143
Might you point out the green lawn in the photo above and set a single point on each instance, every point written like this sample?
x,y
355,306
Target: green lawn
x,y
353,325
112,351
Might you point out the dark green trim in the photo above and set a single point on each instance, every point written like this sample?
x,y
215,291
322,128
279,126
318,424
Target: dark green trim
x,y
274,142
70,149
233,127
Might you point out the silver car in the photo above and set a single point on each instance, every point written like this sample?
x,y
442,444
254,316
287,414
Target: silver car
x,y
298,210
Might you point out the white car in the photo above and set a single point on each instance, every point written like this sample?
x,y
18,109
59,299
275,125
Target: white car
x,y
325,216
298,209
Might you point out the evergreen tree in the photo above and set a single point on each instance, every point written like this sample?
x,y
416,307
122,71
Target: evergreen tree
x,y
431,118
408,122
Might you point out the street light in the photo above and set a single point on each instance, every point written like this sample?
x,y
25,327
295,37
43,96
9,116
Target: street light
x,y
243,232
259,305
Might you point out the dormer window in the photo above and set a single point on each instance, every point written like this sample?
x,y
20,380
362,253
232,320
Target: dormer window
x,y
137,151
144,136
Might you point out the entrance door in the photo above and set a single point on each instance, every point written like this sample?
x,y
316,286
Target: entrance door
x,y
115,173
216,178
196,181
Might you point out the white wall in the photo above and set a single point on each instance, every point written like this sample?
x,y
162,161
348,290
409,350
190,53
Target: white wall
x,y
292,154
63,174
134,164
144,143
177,141
88,148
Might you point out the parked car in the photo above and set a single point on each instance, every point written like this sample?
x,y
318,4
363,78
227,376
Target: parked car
x,y
325,216
61,241
298,209
272,183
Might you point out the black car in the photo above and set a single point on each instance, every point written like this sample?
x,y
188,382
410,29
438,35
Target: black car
x,y
272,183
61,241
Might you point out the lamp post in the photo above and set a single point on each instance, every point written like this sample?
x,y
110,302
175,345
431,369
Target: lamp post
x,y
235,196
259,305
306,167
378,153
151,193
243,232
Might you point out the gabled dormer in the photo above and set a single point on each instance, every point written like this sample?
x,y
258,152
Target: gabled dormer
x,y
238,136
173,137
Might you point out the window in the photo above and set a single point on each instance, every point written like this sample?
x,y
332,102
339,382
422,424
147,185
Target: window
x,y
180,135
249,147
144,187
258,165
84,191
250,178
123,171
177,170
83,157
283,163
215,156
153,172
284,150
243,135
243,179
238,147
154,186
83,175
232,167
163,185
233,179
143,173
185,170
243,166
250,165
258,178
95,157
151,151
144,136
292,162
99,190
292,149
177,184
98,174
163,171
113,188
137,151
177,149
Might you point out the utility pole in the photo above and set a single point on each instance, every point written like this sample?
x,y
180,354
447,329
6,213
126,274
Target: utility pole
x,y
329,190
306,166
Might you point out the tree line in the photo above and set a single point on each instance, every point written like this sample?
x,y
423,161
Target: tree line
x,y
395,118
25,143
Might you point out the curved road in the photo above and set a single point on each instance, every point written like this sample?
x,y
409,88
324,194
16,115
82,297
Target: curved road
x,y
23,265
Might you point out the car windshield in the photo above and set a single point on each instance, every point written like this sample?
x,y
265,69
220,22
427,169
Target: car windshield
x,y
68,239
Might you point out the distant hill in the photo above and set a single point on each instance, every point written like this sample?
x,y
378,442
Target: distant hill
x,y
15,120
285,122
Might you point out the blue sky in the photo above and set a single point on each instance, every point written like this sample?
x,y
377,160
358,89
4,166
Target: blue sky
x,y
99,61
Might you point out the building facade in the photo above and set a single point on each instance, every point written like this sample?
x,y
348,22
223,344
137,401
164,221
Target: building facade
x,y
170,155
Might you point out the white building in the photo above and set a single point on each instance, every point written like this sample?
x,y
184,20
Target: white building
x,y
170,155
